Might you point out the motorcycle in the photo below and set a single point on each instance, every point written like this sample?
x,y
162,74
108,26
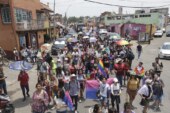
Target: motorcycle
x,y
5,104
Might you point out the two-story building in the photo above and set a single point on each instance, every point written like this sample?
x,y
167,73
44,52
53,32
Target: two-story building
x,y
23,22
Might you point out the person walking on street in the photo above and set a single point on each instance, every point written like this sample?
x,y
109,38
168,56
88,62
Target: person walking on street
x,y
104,94
132,87
157,66
119,69
146,93
16,54
139,50
115,93
2,80
74,88
24,78
140,71
39,100
158,86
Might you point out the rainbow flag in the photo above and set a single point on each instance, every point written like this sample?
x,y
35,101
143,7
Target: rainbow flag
x,y
141,72
101,68
68,100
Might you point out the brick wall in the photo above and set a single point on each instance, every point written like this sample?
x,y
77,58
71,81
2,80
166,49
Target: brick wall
x,y
31,5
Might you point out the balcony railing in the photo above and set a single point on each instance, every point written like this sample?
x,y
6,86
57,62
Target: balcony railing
x,y
32,25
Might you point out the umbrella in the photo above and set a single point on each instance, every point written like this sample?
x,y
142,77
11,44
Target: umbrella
x,y
45,47
93,39
69,39
122,42
20,65
80,33
85,37
74,40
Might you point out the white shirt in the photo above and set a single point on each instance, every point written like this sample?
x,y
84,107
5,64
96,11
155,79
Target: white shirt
x,y
144,90
115,88
103,89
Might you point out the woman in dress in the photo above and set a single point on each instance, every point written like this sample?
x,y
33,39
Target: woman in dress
x,y
39,100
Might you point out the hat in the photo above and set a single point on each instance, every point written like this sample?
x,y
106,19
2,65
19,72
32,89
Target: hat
x,y
148,81
73,75
118,60
115,80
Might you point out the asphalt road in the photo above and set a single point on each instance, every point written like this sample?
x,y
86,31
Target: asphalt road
x,y
148,56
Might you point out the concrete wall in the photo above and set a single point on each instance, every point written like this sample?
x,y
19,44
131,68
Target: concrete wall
x,y
7,37
155,19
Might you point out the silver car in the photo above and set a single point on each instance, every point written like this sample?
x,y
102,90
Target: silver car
x,y
164,51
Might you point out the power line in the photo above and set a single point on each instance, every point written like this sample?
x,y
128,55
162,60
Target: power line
x,y
124,5
144,1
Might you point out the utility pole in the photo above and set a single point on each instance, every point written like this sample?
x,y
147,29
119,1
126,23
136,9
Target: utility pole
x,y
54,24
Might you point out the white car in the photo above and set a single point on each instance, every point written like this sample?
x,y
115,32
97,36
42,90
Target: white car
x,y
103,31
158,33
164,51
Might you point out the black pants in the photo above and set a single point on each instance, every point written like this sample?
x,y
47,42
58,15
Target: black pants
x,y
75,100
117,99
25,89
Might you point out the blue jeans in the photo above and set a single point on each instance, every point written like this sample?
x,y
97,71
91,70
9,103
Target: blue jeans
x,y
3,86
61,111
120,78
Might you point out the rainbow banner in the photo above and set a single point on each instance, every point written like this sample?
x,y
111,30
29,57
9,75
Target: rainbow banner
x,y
101,68
92,86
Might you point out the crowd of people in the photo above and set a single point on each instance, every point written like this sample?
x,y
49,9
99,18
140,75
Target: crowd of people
x,y
62,79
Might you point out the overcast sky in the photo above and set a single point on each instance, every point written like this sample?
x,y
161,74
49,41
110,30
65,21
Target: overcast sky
x,y
83,8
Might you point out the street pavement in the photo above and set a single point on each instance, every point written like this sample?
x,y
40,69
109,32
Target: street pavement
x,y
148,55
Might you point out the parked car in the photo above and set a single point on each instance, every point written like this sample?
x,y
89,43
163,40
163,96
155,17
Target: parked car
x,y
168,34
164,51
57,46
164,30
158,33
103,31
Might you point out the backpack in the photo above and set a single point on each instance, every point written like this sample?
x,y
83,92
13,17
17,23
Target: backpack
x,y
130,55
157,88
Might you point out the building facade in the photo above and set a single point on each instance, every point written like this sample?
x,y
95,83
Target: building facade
x,y
23,22
157,19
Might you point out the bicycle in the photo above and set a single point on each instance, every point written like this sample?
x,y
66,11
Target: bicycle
x,y
4,61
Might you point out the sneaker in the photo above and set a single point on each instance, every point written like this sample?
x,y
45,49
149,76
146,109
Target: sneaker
x,y
28,95
80,101
24,99
157,109
75,111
